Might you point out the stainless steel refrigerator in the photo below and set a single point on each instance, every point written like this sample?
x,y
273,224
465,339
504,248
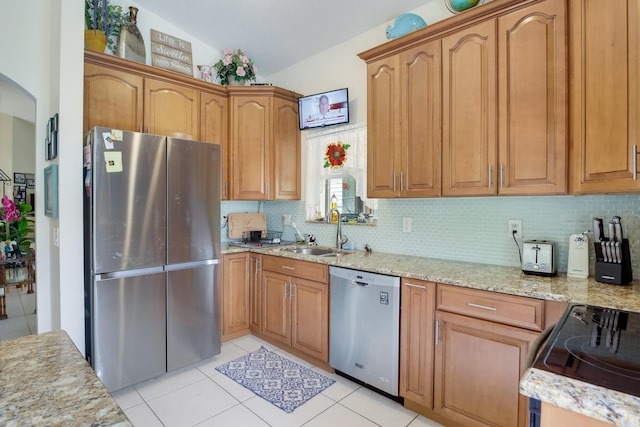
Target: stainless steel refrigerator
x,y
152,252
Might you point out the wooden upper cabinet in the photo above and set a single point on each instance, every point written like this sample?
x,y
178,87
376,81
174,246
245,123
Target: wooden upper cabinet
x,y
404,110
213,128
533,100
250,147
286,152
171,109
383,127
265,144
112,98
469,106
421,109
605,94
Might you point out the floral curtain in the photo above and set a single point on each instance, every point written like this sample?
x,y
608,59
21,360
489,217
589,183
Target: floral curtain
x,y
336,154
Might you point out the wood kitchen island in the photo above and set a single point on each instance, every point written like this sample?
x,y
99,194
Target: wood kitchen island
x,y
44,380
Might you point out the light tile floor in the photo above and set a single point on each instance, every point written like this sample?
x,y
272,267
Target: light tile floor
x,y
201,396
21,320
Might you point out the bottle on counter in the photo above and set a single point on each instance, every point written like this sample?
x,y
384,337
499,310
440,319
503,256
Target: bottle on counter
x,y
334,213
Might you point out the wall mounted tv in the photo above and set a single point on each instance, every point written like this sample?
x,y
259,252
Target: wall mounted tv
x,y
324,109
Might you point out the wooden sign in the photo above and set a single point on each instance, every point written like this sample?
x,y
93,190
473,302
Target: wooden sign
x,y
171,53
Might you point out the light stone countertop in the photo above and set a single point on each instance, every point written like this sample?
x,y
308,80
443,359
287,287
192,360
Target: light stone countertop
x,y
45,381
607,405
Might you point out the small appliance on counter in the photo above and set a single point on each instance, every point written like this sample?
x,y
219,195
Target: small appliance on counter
x,y
578,265
613,259
538,257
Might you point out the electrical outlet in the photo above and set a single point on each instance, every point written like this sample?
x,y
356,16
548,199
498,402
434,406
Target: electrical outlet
x,y
407,224
514,225
286,219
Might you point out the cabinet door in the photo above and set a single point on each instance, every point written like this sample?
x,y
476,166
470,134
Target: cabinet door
x,y
235,295
420,169
171,109
255,292
469,111
383,127
532,83
213,128
478,365
417,341
310,318
276,306
286,151
250,130
605,95
112,99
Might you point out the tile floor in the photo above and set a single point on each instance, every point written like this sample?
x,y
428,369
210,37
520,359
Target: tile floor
x,y
201,396
22,319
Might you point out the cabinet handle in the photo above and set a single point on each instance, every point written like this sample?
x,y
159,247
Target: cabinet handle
x,y
437,332
635,162
226,189
286,267
484,307
291,288
140,127
411,285
394,182
257,265
490,175
501,175
401,182
286,285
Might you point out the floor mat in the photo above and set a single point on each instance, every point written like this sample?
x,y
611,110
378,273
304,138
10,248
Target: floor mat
x,y
278,380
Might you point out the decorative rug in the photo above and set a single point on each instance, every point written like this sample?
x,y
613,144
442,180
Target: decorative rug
x,y
278,380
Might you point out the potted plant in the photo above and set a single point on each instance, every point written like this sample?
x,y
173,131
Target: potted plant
x,y
16,226
235,68
103,20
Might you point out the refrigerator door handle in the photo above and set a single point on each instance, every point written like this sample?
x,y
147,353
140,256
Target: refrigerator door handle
x,y
129,273
188,265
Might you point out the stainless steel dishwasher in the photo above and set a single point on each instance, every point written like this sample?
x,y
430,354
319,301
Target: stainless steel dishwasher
x,y
364,334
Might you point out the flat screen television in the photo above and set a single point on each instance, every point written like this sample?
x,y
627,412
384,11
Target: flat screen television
x,y
324,109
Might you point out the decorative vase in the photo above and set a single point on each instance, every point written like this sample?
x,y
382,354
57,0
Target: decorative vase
x,y
130,42
206,73
95,40
234,82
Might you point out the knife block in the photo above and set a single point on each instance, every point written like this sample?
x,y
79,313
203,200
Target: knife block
x,y
614,273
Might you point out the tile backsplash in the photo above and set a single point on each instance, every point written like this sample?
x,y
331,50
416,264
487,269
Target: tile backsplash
x,y
466,229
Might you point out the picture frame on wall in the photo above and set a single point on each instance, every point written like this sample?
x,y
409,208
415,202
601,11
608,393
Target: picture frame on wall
x,y
31,183
19,178
20,194
51,140
51,191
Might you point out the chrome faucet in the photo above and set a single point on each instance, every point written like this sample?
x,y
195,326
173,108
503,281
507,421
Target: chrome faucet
x,y
340,239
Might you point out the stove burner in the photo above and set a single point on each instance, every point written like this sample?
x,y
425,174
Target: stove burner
x,y
596,345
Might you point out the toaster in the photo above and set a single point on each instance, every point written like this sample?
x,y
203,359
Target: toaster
x,y
538,257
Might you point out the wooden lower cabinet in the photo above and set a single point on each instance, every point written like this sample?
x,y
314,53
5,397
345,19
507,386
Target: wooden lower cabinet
x,y
295,310
478,365
235,295
255,292
417,341
552,416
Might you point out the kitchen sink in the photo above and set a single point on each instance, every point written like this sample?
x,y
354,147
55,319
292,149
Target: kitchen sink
x,y
323,252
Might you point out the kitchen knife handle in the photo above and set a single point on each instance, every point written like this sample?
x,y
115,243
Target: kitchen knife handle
x,y
612,231
490,175
635,161
597,229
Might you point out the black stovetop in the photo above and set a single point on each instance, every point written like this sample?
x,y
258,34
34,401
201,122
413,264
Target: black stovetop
x,y
596,345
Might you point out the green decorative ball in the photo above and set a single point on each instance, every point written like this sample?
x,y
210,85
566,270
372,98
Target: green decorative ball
x,y
460,5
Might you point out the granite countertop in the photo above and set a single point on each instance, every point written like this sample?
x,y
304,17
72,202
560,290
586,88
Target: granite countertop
x,y
507,280
607,405
44,380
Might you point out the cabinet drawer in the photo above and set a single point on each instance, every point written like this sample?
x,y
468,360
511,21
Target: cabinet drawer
x,y
297,268
511,310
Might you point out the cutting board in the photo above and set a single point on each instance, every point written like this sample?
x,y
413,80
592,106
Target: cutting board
x,y
240,222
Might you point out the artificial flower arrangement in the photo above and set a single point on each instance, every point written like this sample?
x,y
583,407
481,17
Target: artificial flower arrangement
x,y
107,18
15,226
237,65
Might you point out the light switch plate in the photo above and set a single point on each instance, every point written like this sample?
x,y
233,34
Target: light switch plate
x,y
407,224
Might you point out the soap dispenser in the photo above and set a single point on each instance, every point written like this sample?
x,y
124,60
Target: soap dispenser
x,y
334,209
